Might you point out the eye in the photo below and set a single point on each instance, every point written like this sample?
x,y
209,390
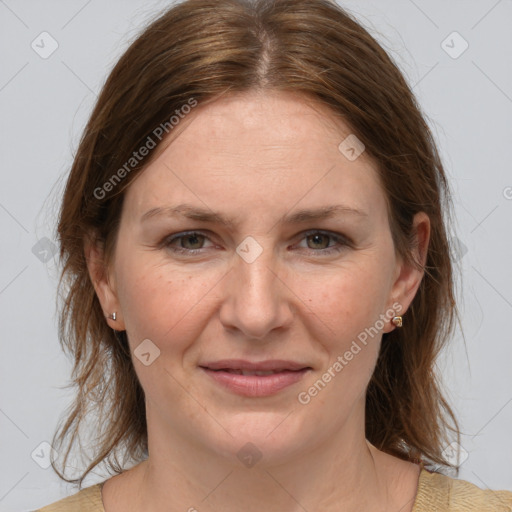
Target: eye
x,y
190,242
318,241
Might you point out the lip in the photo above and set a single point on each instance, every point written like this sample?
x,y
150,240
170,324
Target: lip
x,y
256,385
241,364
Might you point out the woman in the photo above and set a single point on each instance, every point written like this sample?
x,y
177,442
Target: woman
x,y
255,318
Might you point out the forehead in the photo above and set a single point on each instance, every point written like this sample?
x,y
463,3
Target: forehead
x,y
255,151
279,124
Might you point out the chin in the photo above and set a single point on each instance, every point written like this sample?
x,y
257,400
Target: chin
x,y
261,439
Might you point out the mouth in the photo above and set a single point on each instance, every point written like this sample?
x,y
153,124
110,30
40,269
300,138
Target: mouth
x,y
252,379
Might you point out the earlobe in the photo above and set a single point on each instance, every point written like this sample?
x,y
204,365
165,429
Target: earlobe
x,y
103,285
409,276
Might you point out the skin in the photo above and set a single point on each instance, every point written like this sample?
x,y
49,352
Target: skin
x,y
257,157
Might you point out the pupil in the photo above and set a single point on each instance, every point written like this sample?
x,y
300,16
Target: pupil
x,y
316,239
194,239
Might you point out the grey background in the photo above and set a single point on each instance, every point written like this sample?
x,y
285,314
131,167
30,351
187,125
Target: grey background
x,y
44,106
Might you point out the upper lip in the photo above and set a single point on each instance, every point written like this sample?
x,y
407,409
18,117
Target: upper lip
x,y
268,365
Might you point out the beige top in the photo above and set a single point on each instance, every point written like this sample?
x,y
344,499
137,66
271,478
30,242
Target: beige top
x,y
436,493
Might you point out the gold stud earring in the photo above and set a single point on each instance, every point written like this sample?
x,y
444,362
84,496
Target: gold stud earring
x,y
397,320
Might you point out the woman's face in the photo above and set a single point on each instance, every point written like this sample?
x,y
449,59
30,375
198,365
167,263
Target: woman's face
x,y
270,281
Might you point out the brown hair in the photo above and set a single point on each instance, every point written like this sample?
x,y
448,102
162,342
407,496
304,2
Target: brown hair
x,y
200,50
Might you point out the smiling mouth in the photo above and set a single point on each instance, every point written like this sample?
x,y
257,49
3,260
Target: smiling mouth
x,y
255,383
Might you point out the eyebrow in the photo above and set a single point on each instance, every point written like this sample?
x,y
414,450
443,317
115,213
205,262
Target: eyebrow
x,y
205,215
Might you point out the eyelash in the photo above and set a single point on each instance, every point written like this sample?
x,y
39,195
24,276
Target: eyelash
x,y
342,242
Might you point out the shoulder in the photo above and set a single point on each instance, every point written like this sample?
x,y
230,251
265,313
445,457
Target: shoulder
x,y
86,500
441,493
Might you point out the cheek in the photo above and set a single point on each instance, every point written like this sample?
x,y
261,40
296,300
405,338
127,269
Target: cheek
x,y
169,308
351,349
346,301
162,303
347,308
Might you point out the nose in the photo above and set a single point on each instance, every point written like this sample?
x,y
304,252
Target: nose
x,y
256,299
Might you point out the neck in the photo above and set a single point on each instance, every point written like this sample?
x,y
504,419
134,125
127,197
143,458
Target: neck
x,y
344,472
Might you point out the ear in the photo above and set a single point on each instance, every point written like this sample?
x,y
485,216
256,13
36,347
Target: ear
x,y
407,276
103,283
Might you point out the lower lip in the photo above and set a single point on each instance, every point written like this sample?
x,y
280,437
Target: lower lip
x,y
256,385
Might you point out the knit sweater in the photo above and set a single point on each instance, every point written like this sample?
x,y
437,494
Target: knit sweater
x,y
435,493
